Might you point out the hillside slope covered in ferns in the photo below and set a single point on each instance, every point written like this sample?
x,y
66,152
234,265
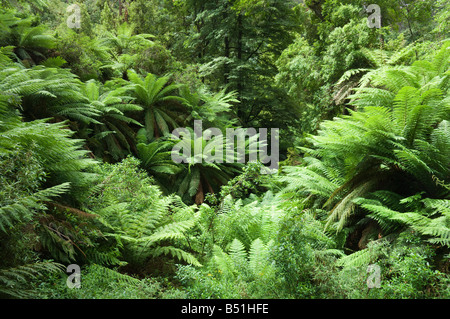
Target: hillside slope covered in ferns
x,y
87,177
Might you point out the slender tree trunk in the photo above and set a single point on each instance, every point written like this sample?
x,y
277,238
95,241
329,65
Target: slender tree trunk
x,y
239,49
227,55
239,53
239,38
226,40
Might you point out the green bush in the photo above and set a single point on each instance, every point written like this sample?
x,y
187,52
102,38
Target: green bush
x,y
409,271
406,272
300,247
145,225
98,282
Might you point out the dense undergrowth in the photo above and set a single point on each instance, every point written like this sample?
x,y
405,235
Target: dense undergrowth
x,y
87,176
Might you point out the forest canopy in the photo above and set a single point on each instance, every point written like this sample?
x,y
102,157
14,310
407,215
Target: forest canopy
x,y
357,116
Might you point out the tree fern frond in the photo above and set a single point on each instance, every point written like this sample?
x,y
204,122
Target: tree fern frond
x,y
177,253
24,208
365,256
345,207
14,282
169,231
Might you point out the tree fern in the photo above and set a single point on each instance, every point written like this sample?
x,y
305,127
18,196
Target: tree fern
x,y
177,253
212,109
395,143
124,39
206,169
111,134
47,92
156,158
383,215
433,225
371,97
62,157
360,78
31,42
150,92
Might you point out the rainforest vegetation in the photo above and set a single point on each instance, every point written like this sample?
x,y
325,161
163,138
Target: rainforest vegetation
x,y
87,113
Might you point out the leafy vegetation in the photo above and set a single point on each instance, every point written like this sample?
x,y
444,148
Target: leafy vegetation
x,y
87,117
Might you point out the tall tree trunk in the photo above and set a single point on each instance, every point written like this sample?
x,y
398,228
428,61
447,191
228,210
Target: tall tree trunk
x,y
226,67
239,50
226,40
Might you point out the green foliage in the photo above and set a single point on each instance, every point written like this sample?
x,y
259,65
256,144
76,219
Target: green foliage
x,y
112,134
430,218
123,39
87,174
384,139
300,247
55,86
259,218
406,270
213,109
442,25
384,164
201,173
156,157
135,214
85,55
31,41
237,44
61,157
236,274
22,202
238,240
149,93
99,282
299,73
250,181
15,282
34,187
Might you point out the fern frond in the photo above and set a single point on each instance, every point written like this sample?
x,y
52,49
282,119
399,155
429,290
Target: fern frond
x,y
345,207
110,275
258,257
170,231
223,262
365,256
237,251
23,209
177,253
14,282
